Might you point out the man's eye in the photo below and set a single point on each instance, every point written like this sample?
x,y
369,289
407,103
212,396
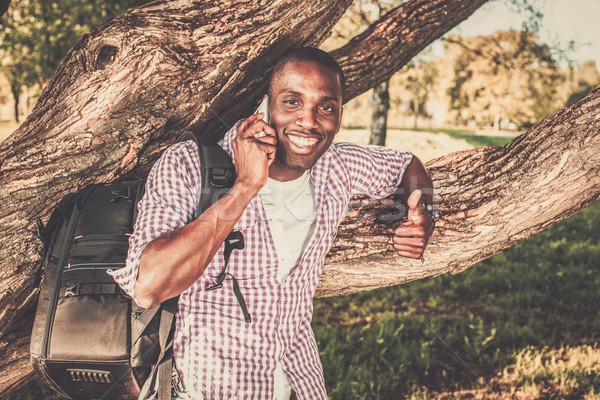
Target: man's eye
x,y
291,102
327,108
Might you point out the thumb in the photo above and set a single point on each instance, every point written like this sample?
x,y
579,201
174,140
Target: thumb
x,y
415,208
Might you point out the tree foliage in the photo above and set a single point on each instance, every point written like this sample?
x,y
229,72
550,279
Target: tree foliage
x,y
415,84
583,81
507,75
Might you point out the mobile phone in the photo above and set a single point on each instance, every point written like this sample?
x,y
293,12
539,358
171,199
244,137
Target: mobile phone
x,y
264,108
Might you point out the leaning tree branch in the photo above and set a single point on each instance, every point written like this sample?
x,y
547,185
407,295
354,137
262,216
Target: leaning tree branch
x,y
124,93
490,197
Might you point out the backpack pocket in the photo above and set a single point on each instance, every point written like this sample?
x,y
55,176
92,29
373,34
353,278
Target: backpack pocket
x,y
91,319
108,248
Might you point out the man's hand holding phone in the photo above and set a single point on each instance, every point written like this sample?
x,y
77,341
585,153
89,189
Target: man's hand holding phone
x,y
254,150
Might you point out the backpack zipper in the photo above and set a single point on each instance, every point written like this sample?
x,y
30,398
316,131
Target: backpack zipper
x,y
101,240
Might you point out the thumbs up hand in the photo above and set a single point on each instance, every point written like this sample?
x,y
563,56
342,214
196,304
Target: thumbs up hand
x,y
411,237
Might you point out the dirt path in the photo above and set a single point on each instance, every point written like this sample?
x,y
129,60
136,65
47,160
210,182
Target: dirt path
x,y
6,128
424,145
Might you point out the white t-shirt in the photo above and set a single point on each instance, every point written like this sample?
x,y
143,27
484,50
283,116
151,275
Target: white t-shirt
x,y
290,208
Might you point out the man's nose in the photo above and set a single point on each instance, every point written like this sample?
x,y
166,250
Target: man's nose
x,y
307,120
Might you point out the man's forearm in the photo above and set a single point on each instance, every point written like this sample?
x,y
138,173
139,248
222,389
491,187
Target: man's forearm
x,y
416,177
175,260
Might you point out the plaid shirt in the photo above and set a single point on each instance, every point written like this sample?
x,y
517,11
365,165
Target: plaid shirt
x,y
219,355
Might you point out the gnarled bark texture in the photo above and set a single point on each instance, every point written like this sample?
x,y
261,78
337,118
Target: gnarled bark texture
x,y
126,92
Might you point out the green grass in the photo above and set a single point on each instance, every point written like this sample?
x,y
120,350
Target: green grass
x,y
452,332
36,390
471,137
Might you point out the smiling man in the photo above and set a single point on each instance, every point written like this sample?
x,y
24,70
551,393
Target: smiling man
x,y
292,190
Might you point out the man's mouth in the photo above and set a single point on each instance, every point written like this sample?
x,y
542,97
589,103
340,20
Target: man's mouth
x,y
302,143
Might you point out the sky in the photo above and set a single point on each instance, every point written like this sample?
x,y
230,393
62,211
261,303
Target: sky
x,y
563,21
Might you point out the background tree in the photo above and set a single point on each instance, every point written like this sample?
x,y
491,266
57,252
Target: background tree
x,y
506,76
359,16
380,99
415,83
17,54
125,92
583,80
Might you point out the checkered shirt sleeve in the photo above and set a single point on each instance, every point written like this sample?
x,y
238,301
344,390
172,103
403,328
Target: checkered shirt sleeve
x,y
375,171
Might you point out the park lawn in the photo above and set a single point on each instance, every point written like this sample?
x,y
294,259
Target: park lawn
x,y
471,136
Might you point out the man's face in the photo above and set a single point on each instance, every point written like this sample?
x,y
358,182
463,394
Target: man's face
x,y
306,111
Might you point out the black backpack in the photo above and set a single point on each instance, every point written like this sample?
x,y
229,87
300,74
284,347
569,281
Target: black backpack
x,y
90,340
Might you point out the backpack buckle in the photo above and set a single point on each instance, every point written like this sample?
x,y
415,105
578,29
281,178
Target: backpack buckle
x,y
120,194
72,290
220,177
219,283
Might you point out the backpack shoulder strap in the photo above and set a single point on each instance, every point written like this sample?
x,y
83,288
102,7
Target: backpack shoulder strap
x,y
218,172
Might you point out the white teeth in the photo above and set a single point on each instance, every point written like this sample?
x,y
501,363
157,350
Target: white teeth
x,y
302,142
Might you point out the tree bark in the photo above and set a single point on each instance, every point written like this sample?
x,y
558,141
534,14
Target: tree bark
x,y
126,91
381,104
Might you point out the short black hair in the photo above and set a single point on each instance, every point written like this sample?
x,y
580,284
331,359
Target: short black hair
x,y
310,54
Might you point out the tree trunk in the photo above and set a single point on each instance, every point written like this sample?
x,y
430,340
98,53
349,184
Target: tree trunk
x,y
416,103
3,7
381,105
16,92
126,91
